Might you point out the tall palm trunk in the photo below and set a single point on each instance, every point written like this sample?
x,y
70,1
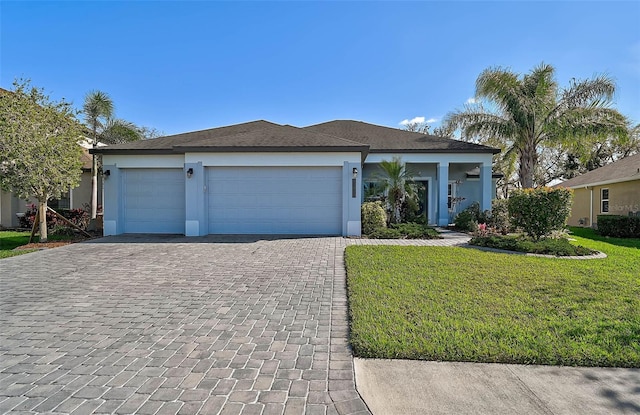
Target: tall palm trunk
x,y
94,179
528,158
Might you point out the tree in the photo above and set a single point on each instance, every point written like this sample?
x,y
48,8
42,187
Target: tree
x,y
39,151
396,181
417,127
98,112
97,107
528,111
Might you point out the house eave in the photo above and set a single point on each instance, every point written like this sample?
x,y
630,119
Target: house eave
x,y
432,151
602,183
233,149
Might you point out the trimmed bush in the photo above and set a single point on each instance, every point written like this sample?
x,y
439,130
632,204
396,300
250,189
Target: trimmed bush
x,y
385,233
540,211
498,218
409,230
619,226
465,221
470,217
373,217
557,247
414,230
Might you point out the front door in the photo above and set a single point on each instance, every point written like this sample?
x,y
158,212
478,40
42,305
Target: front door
x,y
423,199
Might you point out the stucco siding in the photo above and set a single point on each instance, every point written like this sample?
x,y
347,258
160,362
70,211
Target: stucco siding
x,y
624,197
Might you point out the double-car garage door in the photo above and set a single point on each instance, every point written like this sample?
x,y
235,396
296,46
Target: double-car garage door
x,y
240,200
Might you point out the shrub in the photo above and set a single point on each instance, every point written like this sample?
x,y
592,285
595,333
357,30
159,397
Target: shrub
x,y
79,217
470,217
498,218
373,217
465,221
414,230
540,211
619,226
410,230
385,233
557,247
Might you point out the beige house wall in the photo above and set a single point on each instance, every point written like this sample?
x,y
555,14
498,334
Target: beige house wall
x,y
624,197
10,205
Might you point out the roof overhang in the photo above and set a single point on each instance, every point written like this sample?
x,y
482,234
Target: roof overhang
x,y
601,183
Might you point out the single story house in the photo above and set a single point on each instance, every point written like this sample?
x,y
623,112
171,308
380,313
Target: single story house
x,y
75,198
613,189
264,178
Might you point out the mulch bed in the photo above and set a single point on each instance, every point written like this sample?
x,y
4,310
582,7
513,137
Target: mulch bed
x,y
52,244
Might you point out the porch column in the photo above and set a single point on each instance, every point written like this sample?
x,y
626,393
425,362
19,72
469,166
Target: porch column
x,y
487,188
443,187
195,221
112,209
351,198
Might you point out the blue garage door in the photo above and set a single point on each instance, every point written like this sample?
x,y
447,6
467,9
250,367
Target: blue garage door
x,y
275,200
153,200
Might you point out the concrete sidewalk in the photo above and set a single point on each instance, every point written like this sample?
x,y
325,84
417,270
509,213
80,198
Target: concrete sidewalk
x,y
407,387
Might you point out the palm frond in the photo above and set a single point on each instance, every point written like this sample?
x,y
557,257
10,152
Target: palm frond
x,y
119,131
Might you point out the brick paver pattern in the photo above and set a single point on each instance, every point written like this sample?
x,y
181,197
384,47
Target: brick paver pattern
x,y
175,325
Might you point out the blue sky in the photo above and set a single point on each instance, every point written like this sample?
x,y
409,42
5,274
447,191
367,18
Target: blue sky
x,y
184,66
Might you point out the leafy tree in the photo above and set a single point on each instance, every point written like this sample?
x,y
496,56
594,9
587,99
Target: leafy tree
x,y
424,128
39,151
418,127
599,152
98,112
526,112
397,183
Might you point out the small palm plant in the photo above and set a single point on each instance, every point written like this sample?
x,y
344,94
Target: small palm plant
x,y
397,182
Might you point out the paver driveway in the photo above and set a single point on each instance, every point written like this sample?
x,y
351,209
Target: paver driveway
x,y
169,325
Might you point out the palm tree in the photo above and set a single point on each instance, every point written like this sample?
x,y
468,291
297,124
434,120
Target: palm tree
x,y
98,113
530,110
396,180
97,107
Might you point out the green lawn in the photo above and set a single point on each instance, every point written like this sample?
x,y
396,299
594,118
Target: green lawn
x,y
10,240
460,304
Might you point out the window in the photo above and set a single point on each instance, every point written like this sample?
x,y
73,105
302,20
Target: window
x,y
604,200
373,190
451,194
63,203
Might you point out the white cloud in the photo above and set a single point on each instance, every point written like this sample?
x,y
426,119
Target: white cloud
x,y
471,100
415,120
431,120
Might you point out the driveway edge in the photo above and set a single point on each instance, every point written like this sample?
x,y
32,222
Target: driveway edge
x,y
342,385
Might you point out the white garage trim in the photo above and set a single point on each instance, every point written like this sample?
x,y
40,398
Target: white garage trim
x,y
153,200
272,159
275,200
125,161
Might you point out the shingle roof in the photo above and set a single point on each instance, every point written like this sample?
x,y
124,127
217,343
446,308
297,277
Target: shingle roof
x,y
250,136
622,170
384,139
267,136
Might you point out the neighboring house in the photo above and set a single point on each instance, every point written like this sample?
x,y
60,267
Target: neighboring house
x,y
11,206
613,189
265,178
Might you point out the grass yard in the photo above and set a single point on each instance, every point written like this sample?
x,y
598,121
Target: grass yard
x,y
460,304
11,240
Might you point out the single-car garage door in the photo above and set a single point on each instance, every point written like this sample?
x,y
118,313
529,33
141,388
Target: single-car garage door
x,y
153,200
275,200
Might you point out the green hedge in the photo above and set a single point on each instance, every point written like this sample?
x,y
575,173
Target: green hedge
x,y
540,211
374,217
619,226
